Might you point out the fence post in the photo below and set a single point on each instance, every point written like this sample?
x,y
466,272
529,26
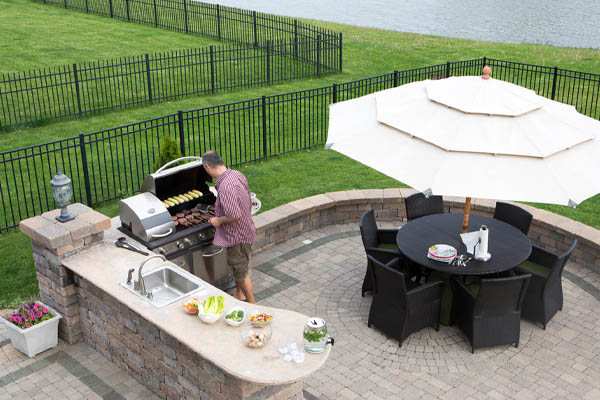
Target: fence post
x,y
396,73
264,125
484,59
185,12
127,8
155,14
255,29
87,7
268,61
219,21
181,133
447,69
340,51
334,93
111,8
319,55
86,174
77,87
554,82
212,69
296,38
148,78
65,3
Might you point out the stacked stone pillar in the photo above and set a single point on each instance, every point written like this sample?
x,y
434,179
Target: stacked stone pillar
x,y
53,241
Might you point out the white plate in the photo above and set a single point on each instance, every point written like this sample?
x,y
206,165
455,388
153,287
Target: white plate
x,y
444,260
442,251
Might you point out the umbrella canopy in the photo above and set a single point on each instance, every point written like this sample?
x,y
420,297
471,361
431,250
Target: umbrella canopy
x,y
472,137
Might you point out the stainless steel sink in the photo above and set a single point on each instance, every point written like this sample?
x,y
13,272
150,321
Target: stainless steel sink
x,y
165,285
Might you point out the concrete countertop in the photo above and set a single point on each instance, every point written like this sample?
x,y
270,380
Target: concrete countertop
x,y
106,265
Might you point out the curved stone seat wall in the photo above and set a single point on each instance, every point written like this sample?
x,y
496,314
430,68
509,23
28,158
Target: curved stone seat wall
x,y
549,230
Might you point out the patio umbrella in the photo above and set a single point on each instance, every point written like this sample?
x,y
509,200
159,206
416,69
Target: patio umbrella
x,y
472,137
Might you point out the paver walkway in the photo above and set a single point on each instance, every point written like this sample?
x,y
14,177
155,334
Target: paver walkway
x,y
320,274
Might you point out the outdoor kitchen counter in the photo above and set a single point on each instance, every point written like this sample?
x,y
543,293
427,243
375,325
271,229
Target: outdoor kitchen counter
x,y
105,266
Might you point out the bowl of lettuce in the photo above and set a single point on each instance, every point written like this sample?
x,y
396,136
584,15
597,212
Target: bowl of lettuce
x,y
211,309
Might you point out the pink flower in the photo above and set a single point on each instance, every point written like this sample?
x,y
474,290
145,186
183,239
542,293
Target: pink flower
x,y
44,310
39,314
14,318
35,307
27,324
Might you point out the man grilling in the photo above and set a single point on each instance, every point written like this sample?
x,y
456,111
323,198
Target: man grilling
x,y
233,221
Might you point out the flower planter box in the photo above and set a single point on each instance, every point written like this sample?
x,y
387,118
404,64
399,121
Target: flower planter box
x,y
37,338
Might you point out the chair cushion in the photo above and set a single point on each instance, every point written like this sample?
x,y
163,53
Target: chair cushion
x,y
537,268
388,246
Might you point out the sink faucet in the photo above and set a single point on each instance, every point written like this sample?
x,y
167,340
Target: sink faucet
x,y
139,284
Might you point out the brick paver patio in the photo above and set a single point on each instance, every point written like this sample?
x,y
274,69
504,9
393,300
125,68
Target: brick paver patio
x,y
320,274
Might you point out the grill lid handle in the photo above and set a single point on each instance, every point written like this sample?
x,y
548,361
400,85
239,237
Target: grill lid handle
x,y
176,161
161,235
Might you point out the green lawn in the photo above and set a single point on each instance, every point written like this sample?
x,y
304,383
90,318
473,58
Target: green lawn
x,y
35,35
367,52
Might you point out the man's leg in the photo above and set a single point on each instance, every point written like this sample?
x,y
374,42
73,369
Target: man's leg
x,y
238,256
246,288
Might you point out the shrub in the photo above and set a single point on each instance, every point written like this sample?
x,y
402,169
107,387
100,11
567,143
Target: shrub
x,y
169,151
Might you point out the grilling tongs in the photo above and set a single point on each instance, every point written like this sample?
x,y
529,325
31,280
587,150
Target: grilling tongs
x,y
122,242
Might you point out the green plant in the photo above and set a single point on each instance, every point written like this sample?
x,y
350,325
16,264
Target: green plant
x,y
29,315
169,151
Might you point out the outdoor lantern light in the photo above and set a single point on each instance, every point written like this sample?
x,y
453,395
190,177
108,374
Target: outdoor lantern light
x,y
61,191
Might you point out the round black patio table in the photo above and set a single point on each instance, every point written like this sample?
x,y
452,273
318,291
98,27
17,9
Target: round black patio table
x,y
508,246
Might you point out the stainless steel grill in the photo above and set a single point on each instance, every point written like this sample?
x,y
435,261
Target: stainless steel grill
x,y
187,243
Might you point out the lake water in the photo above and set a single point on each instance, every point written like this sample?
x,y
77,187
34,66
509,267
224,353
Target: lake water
x,y
573,23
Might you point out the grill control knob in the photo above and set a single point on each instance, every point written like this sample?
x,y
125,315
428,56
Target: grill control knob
x,y
187,242
180,245
201,236
161,250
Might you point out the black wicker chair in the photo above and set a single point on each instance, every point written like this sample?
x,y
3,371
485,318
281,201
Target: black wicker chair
x,y
514,216
544,296
417,205
400,306
489,312
379,243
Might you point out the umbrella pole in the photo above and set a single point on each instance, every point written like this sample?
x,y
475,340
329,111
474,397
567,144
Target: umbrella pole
x,y
465,225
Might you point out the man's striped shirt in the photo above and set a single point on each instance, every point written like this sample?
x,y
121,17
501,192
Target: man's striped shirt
x,y
233,201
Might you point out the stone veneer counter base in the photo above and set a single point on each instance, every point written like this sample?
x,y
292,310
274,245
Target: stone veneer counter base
x,y
105,265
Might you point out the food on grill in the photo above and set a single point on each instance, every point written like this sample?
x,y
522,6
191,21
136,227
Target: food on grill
x,y
182,198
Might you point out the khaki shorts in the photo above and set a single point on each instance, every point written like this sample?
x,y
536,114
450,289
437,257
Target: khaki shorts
x,y
238,258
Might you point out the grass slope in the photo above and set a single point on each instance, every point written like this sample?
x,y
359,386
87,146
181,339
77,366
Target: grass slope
x,y
35,35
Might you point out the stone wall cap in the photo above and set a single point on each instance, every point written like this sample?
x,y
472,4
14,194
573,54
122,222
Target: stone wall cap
x,y
339,198
53,235
407,192
373,195
30,225
321,201
99,222
392,194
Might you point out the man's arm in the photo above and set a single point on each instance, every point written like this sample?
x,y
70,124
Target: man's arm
x,y
218,221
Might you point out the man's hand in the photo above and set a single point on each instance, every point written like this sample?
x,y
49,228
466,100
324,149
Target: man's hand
x,y
216,221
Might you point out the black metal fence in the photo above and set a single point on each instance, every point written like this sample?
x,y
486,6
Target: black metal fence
x,y
112,163
274,49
